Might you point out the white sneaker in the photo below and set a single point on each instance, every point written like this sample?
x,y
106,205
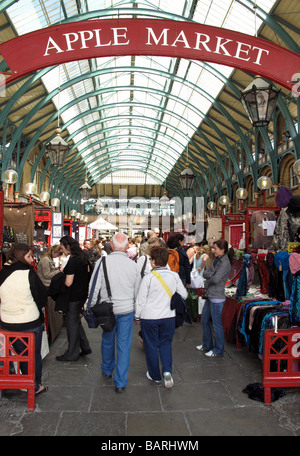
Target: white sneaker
x,y
169,382
210,354
150,378
200,347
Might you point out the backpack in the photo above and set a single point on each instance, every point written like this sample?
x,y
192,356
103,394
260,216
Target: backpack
x,y
173,260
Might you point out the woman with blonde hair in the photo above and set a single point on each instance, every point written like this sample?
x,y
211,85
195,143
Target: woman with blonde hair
x,y
47,269
206,258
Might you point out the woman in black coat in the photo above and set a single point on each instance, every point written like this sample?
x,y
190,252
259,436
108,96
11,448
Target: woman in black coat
x,y
76,274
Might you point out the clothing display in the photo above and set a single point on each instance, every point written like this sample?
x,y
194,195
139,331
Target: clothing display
x,y
263,229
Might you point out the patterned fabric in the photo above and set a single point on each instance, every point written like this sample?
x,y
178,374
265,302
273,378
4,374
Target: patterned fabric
x,y
286,230
294,308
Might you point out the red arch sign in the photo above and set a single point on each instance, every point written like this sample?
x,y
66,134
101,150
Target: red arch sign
x,y
102,38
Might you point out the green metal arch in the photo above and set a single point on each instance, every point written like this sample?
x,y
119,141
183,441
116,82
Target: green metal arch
x,y
93,152
81,77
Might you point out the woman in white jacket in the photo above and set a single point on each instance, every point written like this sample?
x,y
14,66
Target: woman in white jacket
x,y
23,297
156,317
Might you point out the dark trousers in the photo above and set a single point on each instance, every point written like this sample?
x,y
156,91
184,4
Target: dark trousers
x,y
157,337
76,335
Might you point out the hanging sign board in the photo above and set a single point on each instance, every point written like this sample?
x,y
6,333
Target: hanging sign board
x,y
110,37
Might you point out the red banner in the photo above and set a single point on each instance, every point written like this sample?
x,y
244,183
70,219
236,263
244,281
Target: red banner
x,y
111,37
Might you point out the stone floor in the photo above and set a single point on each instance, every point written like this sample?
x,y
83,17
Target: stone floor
x,y
206,400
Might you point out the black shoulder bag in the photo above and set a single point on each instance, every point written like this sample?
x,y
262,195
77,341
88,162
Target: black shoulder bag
x,y
104,310
88,313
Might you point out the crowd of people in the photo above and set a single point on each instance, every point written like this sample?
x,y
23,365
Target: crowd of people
x,y
142,282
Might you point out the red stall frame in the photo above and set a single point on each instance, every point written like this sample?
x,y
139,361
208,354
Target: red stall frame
x,y
281,360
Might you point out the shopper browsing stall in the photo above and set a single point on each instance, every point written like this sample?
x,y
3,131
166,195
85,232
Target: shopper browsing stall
x,y
216,276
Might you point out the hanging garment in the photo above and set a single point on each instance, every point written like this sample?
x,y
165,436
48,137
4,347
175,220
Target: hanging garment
x,y
264,275
286,229
294,307
244,330
272,283
254,334
294,262
242,286
281,260
251,269
261,238
267,323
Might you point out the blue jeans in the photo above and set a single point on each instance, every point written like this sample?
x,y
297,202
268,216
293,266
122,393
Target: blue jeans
x,y
157,338
212,310
122,333
19,347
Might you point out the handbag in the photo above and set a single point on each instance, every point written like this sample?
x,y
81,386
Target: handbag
x,y
196,279
104,310
88,313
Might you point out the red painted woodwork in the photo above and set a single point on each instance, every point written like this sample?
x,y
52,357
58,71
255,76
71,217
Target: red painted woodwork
x,y
281,360
10,376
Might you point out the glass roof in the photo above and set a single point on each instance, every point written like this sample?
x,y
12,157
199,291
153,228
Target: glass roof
x,y
133,119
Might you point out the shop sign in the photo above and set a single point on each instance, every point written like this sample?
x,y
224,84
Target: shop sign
x,y
112,37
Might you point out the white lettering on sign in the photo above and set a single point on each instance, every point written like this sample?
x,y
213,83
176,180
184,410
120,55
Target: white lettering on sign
x,y
203,39
296,347
118,36
84,37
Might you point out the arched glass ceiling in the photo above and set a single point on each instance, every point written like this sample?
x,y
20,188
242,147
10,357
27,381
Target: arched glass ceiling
x,y
136,94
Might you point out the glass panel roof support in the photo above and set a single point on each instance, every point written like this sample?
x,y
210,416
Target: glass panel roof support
x,y
82,76
273,24
6,4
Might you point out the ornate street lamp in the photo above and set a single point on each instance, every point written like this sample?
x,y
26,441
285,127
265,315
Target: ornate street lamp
x,y
10,177
241,195
44,196
264,183
259,100
186,178
85,191
55,203
57,149
30,189
211,206
223,201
